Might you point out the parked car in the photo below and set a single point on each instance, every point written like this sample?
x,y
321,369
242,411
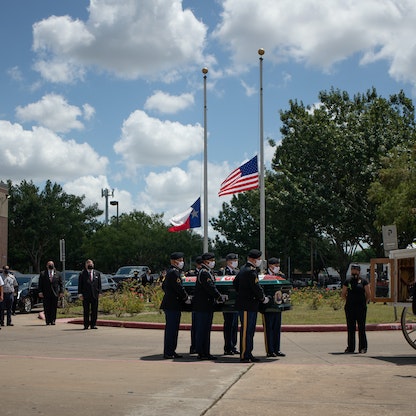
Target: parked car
x,y
71,286
127,272
28,293
334,286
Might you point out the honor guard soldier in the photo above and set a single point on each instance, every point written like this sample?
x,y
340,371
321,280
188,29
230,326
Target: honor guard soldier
x,y
230,328
203,302
249,296
172,303
272,321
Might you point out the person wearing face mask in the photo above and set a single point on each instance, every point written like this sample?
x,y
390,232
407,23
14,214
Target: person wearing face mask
x,y
272,321
6,305
205,296
230,328
172,304
249,295
357,294
89,290
51,288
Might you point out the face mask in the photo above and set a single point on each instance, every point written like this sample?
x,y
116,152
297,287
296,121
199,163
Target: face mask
x,y
211,264
50,267
180,265
234,264
258,263
90,267
276,269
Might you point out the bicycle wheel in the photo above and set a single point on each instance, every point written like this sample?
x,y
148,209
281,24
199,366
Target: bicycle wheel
x,y
408,322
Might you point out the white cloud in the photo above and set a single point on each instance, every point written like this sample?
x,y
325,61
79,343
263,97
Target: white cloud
x,y
321,33
132,39
168,104
248,89
15,73
150,141
40,154
54,112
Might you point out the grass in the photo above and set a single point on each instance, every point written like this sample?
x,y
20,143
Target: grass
x,y
301,314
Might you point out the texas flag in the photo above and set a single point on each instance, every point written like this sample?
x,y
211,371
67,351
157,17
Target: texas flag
x,y
191,218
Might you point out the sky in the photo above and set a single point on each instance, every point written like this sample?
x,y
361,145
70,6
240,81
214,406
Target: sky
x,y
109,94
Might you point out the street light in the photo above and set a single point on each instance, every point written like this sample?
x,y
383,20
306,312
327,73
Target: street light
x,y
115,203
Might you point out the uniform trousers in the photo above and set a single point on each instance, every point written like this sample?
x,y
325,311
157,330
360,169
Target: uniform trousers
x,y
272,324
356,315
230,331
90,306
203,323
193,333
173,319
6,305
248,321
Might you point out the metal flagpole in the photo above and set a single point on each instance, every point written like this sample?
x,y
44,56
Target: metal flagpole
x,y
205,72
261,171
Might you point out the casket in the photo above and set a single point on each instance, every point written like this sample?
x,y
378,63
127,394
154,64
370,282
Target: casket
x,y
276,287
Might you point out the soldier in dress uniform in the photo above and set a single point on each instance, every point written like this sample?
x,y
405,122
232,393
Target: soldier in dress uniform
x,y
249,295
192,348
203,302
172,303
272,321
230,328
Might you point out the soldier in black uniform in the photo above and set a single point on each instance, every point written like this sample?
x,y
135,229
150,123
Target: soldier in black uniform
x,y
230,328
249,296
192,348
356,292
172,302
203,302
272,321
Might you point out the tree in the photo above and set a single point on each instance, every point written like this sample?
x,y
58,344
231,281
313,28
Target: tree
x,y
139,239
328,157
39,219
394,193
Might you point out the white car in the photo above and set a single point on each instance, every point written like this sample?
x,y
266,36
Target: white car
x,y
334,286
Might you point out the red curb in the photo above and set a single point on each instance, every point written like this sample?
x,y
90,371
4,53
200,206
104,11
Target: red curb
x,y
259,328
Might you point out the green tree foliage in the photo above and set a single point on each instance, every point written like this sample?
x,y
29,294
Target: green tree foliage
x,y
139,239
394,193
329,156
39,219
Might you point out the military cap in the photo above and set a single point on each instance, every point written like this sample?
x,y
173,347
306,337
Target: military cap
x,y
231,256
208,256
355,266
254,254
274,260
198,260
176,255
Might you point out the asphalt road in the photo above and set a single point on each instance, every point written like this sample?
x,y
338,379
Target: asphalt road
x,y
64,370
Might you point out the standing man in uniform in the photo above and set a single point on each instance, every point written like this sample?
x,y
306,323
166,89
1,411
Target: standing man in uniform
x,y
203,302
249,296
51,288
172,302
192,348
357,294
272,321
230,328
89,290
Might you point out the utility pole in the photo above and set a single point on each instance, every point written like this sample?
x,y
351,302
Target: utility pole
x,y
105,193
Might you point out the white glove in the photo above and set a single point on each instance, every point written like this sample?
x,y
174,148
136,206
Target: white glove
x,y
266,300
224,298
188,300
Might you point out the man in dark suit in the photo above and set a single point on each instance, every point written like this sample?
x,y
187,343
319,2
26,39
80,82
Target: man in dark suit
x,y
51,288
89,290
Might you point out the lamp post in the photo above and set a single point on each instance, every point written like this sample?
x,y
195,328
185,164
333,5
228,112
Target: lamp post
x,y
115,203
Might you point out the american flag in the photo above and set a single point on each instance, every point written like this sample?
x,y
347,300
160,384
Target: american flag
x,y
242,179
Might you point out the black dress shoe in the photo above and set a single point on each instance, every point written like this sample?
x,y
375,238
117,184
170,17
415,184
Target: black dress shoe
x,y
347,351
94,327
229,353
236,352
245,360
280,354
271,354
10,324
53,323
211,357
168,357
177,355
192,351
85,327
254,359
363,351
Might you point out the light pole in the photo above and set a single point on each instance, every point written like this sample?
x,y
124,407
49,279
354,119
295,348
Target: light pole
x,y
105,193
115,203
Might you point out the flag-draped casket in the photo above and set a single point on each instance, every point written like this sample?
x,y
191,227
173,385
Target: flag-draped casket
x,y
276,287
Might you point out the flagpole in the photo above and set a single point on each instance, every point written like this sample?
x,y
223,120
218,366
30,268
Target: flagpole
x,y
261,171
205,72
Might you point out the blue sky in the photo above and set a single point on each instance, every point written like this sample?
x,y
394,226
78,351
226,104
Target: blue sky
x,y
109,94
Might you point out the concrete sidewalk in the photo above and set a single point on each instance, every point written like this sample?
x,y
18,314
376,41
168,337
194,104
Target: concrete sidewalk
x,y
112,371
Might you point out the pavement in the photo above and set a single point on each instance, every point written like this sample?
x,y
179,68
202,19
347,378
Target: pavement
x,y
114,370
